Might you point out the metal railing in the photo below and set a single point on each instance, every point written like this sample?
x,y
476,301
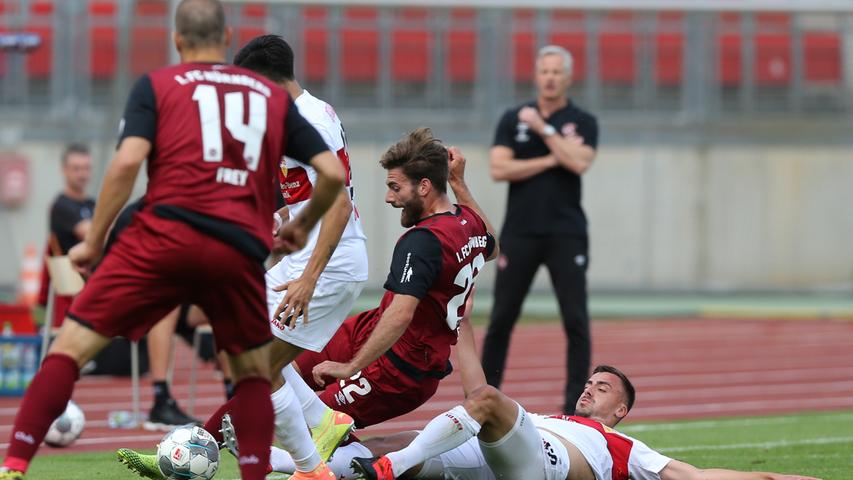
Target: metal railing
x,y
697,65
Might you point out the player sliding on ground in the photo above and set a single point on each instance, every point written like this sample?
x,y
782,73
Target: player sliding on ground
x,y
490,436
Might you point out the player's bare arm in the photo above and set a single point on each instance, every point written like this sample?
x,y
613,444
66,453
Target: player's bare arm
x,y
330,181
504,167
456,179
118,182
467,361
300,290
676,470
388,330
570,153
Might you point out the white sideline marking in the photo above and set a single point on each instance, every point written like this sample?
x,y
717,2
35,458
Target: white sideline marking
x,y
779,443
688,425
154,439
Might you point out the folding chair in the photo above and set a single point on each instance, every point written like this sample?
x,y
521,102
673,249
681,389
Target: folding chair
x,y
64,280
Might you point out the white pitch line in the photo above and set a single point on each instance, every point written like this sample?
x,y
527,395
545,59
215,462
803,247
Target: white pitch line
x,y
705,424
776,444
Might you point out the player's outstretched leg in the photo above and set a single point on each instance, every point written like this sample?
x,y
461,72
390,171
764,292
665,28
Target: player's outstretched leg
x,y
139,463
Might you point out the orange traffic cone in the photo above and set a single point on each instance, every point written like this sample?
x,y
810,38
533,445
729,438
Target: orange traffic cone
x,y
29,282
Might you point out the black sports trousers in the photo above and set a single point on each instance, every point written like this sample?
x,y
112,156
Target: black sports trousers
x,y
567,259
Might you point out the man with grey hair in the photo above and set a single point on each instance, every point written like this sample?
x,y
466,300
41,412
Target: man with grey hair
x,y
542,148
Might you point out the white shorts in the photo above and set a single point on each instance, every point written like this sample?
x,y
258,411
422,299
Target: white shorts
x,y
526,452
465,462
332,302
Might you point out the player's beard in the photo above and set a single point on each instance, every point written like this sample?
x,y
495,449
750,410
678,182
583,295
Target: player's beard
x,y
412,212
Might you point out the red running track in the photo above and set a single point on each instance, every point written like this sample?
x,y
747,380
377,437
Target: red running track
x,y
682,368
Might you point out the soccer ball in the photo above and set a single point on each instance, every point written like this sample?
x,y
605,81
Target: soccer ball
x,y
188,452
67,428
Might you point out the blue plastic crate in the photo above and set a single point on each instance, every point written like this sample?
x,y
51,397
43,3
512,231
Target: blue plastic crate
x,y
19,362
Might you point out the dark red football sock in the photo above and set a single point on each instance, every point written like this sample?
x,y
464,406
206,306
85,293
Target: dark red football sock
x,y
254,422
45,400
214,423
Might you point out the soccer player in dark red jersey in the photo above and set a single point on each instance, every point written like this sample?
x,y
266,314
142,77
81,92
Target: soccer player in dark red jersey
x,y
214,135
385,362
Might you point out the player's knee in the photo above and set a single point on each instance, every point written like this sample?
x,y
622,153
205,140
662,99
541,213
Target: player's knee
x,y
252,363
484,401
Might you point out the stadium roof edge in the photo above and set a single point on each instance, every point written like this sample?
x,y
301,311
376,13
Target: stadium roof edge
x,y
834,6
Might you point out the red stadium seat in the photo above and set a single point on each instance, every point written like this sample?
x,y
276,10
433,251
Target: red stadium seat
x,y
729,63
772,49
669,50
568,31
102,57
523,45
251,23
822,58
150,39
360,45
462,46
3,30
410,47
40,61
316,40
772,59
617,52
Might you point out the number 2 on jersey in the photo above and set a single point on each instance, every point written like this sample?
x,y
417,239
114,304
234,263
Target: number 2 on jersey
x,y
465,279
251,134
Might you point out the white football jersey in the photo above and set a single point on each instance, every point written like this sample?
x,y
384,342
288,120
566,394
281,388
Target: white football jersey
x,y
643,462
349,262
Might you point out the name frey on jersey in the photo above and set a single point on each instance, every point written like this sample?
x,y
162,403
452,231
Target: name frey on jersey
x,y
232,176
479,241
214,76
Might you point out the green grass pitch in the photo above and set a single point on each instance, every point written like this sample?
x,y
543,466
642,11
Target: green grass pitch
x,y
815,444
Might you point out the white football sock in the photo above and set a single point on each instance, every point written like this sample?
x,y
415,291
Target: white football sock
x,y
444,432
282,462
291,431
312,407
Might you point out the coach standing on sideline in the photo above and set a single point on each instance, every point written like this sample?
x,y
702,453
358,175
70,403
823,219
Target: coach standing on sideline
x,y
542,148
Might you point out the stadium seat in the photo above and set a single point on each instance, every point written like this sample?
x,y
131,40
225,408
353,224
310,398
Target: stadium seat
x,y
669,50
40,21
523,45
360,45
150,39
462,46
250,24
822,58
617,51
103,39
772,50
3,29
729,63
315,38
569,31
410,46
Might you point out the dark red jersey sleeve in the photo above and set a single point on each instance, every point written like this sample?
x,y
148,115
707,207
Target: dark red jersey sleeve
x,y
140,113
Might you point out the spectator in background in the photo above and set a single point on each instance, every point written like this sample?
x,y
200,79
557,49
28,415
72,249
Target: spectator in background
x,y
542,148
70,214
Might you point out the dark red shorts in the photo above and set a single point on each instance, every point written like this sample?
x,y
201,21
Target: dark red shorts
x,y
378,393
157,264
